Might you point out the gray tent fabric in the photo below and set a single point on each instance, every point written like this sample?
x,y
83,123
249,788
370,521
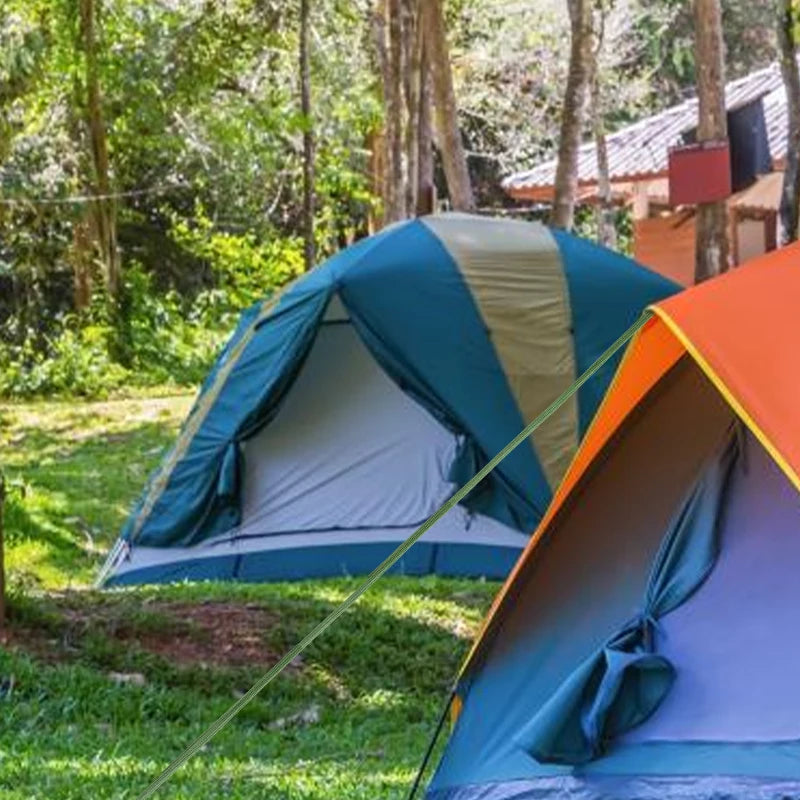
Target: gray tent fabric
x,y
347,450
734,645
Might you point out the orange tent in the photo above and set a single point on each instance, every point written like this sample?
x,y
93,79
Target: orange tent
x,y
608,664
726,326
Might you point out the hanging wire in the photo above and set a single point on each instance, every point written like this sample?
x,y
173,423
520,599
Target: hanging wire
x,y
89,198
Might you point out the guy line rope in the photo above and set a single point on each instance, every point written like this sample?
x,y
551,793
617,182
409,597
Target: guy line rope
x,y
195,746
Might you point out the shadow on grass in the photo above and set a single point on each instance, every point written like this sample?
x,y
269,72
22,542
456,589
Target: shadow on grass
x,y
71,491
398,640
376,680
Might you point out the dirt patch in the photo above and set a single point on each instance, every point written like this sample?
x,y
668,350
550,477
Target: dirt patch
x,y
215,634
219,634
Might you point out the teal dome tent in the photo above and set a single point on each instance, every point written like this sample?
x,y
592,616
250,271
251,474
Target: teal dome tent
x,y
344,411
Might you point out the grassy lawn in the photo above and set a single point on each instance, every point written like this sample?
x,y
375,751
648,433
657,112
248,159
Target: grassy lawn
x,y
98,691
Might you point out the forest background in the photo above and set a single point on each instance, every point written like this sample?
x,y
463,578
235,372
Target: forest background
x,y
164,164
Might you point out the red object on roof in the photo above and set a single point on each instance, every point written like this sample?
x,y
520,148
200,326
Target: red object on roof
x,y
699,173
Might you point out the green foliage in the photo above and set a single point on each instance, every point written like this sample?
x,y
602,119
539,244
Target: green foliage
x,y
245,269
76,361
201,109
168,344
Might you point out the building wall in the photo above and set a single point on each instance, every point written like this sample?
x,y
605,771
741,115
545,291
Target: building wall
x,y
751,239
665,243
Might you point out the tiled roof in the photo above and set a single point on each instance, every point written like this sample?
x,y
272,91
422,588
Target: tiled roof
x,y
641,149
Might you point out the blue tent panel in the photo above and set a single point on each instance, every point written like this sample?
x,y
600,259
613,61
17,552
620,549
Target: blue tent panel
x,y
464,560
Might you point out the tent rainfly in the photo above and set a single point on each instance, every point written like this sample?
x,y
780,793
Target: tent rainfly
x,y
645,645
345,411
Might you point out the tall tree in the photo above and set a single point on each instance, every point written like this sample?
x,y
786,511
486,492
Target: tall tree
x,y
790,194
103,208
711,236
451,147
402,156
395,108
412,45
606,230
387,33
425,187
308,138
573,112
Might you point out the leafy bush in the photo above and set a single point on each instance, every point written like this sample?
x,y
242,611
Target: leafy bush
x,y
168,342
245,268
76,361
154,337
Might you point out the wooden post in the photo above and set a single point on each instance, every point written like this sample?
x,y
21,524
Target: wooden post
x,y
641,200
2,552
711,232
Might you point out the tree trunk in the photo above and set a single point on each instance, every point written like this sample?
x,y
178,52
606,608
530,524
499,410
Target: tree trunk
x,y
395,109
412,44
81,257
606,229
389,52
572,115
308,139
790,195
103,208
425,188
376,145
711,237
449,135
380,152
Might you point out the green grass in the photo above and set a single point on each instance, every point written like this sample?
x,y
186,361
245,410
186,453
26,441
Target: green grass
x,y
75,471
370,688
